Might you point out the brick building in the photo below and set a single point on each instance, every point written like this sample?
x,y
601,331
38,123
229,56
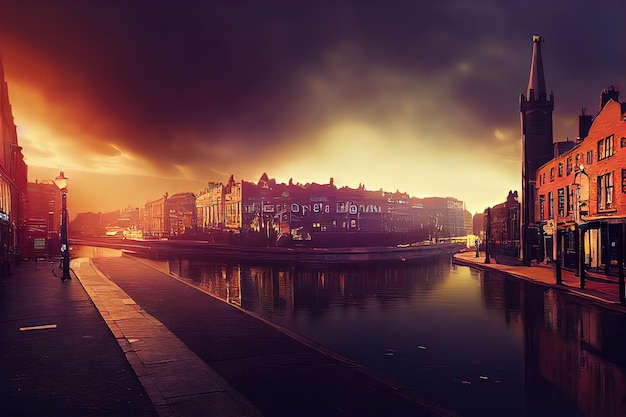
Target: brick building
x,y
263,212
153,219
181,214
13,185
582,192
43,220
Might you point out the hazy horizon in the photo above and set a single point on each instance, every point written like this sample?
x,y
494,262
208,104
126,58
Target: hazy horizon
x,y
133,100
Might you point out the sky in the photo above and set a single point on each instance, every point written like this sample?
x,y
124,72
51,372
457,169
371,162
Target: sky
x,y
133,100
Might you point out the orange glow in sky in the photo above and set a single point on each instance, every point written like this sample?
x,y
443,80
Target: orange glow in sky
x,y
398,97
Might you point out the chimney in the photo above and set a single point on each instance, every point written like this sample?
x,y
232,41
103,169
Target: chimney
x,y
608,94
584,124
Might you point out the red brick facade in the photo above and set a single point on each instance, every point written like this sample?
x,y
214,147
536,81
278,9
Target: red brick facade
x,y
585,187
602,156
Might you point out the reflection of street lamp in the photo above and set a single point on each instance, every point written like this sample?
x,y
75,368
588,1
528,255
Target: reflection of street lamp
x,y
61,182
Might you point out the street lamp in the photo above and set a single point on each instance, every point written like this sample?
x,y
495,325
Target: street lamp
x,y
583,196
61,182
488,236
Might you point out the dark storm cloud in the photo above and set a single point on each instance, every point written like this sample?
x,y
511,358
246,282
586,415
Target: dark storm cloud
x,y
175,81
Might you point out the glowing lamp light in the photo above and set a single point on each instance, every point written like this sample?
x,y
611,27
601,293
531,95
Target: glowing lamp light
x,y
61,181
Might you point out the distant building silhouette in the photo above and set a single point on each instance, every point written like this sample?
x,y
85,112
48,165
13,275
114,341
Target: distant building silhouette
x,y
43,220
270,213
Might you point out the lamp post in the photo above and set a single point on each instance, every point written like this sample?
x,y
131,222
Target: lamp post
x,y
488,236
583,196
61,182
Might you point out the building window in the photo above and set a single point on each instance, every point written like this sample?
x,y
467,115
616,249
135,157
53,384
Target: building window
x,y
552,174
542,202
605,191
577,165
550,205
600,149
589,157
561,202
570,199
622,142
608,146
544,177
623,181
560,174
605,147
568,167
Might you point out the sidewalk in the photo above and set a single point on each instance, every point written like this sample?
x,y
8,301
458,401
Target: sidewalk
x,y
57,356
135,341
598,288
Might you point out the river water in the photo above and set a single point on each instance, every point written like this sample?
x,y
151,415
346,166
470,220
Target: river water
x,y
480,343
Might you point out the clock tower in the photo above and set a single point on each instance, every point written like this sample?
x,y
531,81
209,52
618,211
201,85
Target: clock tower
x,y
536,109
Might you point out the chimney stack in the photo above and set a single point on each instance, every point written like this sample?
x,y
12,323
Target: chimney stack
x,y
608,94
584,124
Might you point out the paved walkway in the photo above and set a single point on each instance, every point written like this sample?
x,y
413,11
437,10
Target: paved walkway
x,y
598,288
177,381
135,341
57,356
279,373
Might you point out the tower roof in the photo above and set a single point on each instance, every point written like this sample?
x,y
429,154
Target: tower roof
x,y
537,82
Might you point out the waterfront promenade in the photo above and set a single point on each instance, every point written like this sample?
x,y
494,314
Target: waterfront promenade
x,y
598,288
126,339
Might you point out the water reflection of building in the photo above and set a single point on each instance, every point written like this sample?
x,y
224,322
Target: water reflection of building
x,y
280,290
574,353
220,280
267,290
501,294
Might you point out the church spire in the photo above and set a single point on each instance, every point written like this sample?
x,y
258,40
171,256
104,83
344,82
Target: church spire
x,y
536,82
537,144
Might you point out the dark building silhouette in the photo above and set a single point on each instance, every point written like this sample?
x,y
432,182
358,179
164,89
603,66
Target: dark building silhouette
x,y
43,220
536,109
13,185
